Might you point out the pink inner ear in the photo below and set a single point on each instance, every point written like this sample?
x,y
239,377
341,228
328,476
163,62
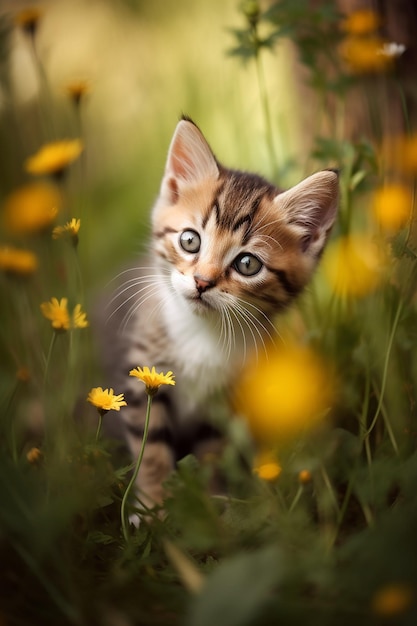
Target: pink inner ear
x,y
173,190
180,161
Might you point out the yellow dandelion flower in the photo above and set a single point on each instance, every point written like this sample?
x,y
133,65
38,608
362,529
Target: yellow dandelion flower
x,y
152,379
16,261
353,265
392,206
31,208
284,393
392,600
105,399
77,90
365,55
55,157
266,467
69,229
34,455
79,318
28,19
57,312
361,22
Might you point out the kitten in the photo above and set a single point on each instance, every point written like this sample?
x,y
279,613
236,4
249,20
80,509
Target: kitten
x,y
229,251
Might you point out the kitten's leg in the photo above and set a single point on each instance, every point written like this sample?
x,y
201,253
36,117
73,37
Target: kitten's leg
x,y
158,458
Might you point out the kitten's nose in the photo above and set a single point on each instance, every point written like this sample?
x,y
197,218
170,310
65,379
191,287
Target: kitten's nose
x,y
202,283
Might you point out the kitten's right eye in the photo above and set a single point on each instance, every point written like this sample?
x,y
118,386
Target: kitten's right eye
x,y
190,241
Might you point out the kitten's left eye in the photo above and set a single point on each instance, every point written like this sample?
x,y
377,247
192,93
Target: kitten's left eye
x,y
190,241
247,264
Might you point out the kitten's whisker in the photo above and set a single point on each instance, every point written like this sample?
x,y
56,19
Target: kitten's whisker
x,y
136,305
134,269
126,300
246,303
134,283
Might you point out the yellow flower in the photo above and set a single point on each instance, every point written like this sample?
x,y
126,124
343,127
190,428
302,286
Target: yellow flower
x,y
16,261
54,158
152,379
31,208
393,599
284,393
79,318
105,400
366,54
392,206
34,455
70,228
353,265
266,466
77,90
28,19
57,312
361,22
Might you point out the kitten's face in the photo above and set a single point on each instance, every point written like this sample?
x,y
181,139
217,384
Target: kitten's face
x,y
230,240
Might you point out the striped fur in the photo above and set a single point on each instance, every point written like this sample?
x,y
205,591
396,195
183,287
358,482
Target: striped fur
x,y
192,310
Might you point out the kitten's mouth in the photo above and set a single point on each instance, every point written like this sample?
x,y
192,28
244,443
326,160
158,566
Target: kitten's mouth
x,y
199,304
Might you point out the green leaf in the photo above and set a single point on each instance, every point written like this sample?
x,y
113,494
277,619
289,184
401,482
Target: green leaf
x,y
238,590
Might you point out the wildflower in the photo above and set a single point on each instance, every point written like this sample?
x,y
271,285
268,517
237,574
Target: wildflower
x,y
79,318
266,467
57,312
353,265
393,599
284,393
105,400
361,22
34,455
364,55
392,206
77,90
304,477
152,379
70,229
28,20
31,208
16,261
54,158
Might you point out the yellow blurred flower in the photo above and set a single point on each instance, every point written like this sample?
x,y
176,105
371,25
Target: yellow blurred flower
x,y
69,229
353,265
284,393
406,153
55,157
28,19
361,22
152,379
392,206
77,90
393,599
304,477
56,311
105,399
31,208
266,466
17,261
364,55
34,455
79,318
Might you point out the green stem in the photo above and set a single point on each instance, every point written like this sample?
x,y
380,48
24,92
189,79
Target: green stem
x,y
296,499
100,421
48,359
263,94
136,471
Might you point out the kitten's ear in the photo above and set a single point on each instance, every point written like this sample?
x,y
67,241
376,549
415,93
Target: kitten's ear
x,y
189,161
311,208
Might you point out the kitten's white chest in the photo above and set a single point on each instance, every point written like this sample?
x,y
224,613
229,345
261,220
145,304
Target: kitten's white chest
x,y
205,361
